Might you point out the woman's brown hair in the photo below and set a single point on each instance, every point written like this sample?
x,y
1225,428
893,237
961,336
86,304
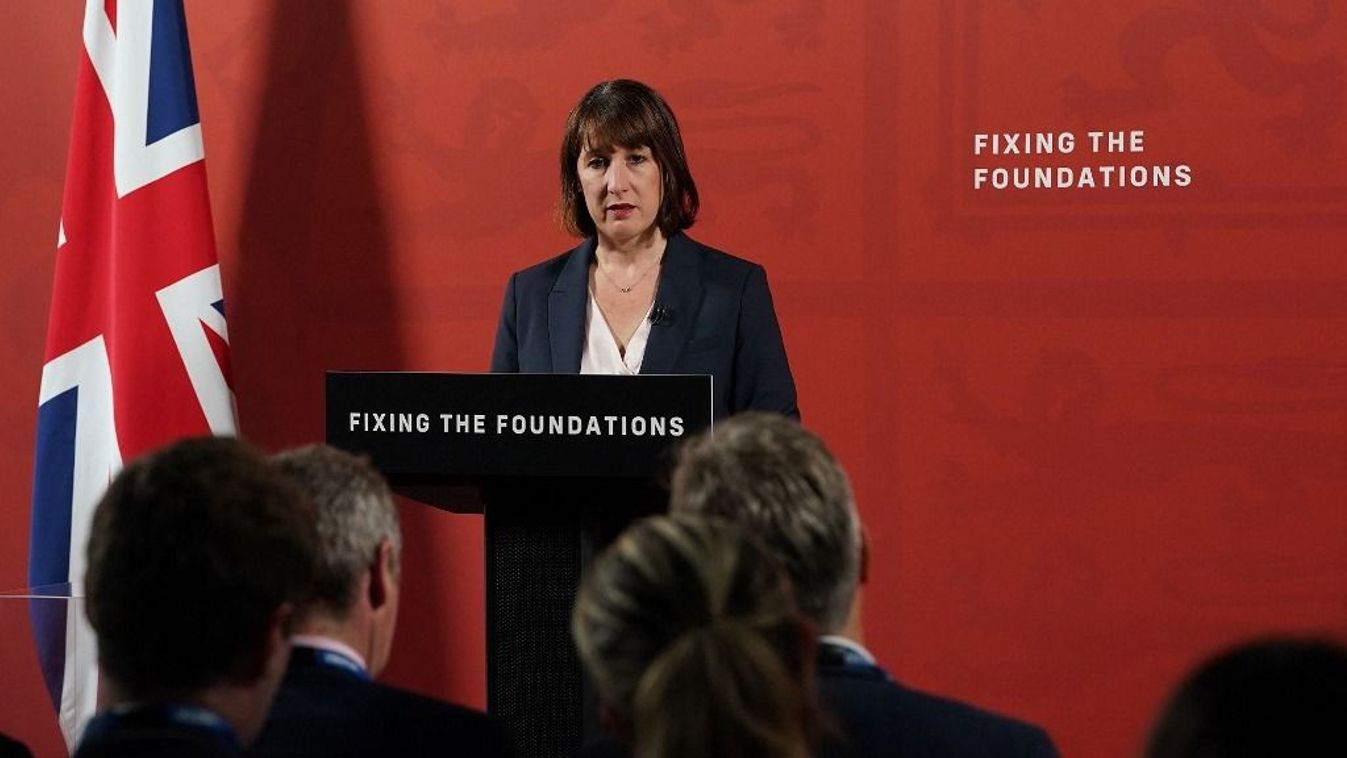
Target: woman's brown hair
x,y
629,114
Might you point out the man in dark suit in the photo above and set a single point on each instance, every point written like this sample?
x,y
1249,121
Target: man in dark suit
x,y
329,704
196,557
778,481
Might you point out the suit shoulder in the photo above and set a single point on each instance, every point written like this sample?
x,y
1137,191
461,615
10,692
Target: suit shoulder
x,y
719,259
348,717
719,267
413,701
546,272
862,701
427,713
1022,732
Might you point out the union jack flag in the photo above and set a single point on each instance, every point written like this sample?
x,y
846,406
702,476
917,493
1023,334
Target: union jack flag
x,y
137,350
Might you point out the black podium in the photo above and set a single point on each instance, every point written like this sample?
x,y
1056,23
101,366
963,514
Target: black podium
x,y
558,465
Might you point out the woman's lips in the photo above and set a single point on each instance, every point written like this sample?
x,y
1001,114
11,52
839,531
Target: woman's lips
x,y
621,210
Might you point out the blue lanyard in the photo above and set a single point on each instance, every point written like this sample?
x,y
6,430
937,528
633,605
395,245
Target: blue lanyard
x,y
192,717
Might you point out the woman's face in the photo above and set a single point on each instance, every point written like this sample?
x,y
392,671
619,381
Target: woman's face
x,y
622,191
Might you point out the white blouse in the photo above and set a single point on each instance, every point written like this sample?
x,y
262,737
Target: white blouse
x,y
600,354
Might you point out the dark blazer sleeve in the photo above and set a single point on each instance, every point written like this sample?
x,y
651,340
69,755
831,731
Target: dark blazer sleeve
x,y
1040,745
762,378
505,354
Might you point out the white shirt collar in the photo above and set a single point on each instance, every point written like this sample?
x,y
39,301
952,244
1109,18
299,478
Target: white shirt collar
x,y
320,642
600,354
837,640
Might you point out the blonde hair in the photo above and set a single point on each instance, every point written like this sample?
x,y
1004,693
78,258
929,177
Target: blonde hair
x,y
690,633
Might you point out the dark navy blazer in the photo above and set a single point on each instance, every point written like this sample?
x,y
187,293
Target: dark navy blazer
x,y
869,715
715,317
324,710
872,716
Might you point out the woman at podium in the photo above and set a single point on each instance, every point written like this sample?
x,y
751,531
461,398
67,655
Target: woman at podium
x,y
637,295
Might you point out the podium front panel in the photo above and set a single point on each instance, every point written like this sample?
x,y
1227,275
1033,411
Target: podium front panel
x,y
558,464
473,427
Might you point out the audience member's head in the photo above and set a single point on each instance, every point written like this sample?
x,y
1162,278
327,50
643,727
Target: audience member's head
x,y
691,635
355,595
196,556
777,481
1272,697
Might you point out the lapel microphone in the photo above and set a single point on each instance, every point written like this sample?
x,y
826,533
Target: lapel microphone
x,y
661,316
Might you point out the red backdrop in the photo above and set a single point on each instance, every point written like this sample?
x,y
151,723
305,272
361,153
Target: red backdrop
x,y
1094,432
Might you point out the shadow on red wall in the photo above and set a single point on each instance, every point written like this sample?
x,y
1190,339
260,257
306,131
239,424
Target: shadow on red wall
x,y
313,288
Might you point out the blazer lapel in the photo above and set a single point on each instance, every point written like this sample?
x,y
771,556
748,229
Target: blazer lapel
x,y
679,296
566,310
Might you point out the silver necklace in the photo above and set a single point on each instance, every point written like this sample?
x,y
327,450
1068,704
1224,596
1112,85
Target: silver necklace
x,y
639,279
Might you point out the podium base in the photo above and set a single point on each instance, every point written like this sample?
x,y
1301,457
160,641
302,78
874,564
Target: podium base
x,y
539,539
